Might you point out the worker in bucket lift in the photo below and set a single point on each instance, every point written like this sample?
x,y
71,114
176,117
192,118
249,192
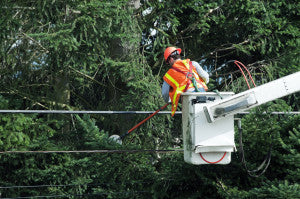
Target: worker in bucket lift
x,y
183,76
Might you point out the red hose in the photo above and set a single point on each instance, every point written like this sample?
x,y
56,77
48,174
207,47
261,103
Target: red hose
x,y
237,62
243,74
215,161
139,124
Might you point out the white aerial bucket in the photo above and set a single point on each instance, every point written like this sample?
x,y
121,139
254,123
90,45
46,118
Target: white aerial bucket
x,y
204,142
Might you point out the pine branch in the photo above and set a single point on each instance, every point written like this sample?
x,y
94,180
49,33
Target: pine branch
x,y
38,43
231,47
87,76
194,25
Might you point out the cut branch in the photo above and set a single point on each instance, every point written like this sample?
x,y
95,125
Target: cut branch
x,y
38,43
232,47
193,26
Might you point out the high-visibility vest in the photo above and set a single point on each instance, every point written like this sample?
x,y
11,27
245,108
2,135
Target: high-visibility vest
x,y
177,78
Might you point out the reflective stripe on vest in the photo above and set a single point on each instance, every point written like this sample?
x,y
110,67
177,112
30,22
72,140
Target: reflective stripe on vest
x,y
176,95
176,77
199,80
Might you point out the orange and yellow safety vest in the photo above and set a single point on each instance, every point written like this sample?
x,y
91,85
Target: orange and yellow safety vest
x,y
177,78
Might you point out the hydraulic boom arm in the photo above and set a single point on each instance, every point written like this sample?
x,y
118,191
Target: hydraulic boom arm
x,y
253,97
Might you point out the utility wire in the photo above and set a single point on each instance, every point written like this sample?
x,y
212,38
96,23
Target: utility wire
x,y
111,112
84,112
273,113
97,151
88,185
42,186
80,195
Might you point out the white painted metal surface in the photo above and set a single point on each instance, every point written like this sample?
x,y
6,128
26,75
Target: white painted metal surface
x,y
253,97
208,126
204,142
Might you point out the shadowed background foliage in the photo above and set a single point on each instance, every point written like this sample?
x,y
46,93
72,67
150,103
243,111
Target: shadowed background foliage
x,y
108,55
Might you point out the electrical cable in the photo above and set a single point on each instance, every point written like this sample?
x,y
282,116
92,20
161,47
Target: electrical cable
x,y
237,62
80,195
98,151
84,112
243,74
266,162
88,185
71,185
95,112
44,186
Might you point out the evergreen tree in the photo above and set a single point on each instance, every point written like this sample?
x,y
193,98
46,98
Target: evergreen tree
x,y
108,55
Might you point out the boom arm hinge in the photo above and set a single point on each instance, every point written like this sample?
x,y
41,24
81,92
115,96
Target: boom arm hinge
x,y
253,97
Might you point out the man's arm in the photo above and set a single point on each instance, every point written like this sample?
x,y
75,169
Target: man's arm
x,y
165,91
203,74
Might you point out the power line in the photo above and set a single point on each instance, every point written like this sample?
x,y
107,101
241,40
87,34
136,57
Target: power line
x,y
88,184
84,112
80,195
71,185
118,112
98,151
274,113
42,186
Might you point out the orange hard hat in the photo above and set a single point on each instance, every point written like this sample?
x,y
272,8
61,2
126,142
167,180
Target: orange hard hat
x,y
170,50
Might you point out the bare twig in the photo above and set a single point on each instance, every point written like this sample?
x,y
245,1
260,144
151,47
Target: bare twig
x,y
232,47
87,76
38,43
221,184
192,26
26,97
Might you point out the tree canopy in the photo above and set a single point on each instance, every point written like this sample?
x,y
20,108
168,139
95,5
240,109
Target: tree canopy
x,y
108,55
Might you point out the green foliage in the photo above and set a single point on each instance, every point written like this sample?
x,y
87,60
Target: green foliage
x,y
289,156
269,190
108,55
260,130
19,131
